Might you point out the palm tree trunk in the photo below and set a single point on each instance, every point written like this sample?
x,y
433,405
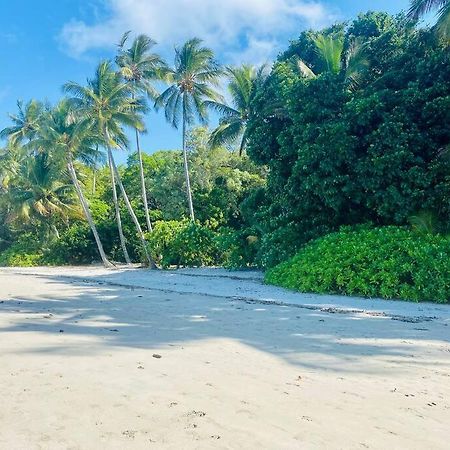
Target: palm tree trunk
x,y
143,188
88,215
116,206
151,263
186,171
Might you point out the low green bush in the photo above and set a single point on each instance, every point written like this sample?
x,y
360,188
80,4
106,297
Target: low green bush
x,y
389,262
183,243
76,245
24,252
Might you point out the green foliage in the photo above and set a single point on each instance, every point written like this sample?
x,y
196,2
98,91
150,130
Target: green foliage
x,y
161,241
389,262
220,181
76,245
277,246
238,247
24,252
344,157
183,243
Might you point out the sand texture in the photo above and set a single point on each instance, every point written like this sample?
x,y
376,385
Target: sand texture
x,y
209,359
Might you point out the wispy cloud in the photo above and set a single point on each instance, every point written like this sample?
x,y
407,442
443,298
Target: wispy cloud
x,y
252,28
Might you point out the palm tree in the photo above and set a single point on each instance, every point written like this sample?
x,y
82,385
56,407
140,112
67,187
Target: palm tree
x,y
40,191
331,51
421,7
243,81
11,159
25,122
141,68
192,81
106,105
65,140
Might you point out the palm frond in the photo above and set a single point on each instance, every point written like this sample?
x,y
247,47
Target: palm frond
x,y
305,71
419,8
330,48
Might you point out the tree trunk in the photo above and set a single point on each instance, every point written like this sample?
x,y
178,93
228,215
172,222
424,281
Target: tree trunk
x,y
186,171
143,188
116,206
88,215
151,263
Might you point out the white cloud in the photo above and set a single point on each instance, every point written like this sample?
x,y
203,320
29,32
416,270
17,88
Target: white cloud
x,y
249,27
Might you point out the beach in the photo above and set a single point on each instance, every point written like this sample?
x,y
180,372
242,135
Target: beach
x,y
201,359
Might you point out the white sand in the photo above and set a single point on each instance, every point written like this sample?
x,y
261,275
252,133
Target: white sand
x,y
233,373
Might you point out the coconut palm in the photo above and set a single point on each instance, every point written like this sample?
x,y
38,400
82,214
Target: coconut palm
x,y
12,156
24,122
106,105
141,68
331,51
232,129
191,81
61,136
421,7
41,191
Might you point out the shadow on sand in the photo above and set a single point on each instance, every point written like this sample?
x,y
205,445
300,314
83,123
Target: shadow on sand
x,y
143,318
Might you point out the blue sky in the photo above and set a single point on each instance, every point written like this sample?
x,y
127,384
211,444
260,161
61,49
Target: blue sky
x,y
48,42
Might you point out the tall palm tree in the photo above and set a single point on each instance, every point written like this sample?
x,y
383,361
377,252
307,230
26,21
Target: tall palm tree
x,y
331,51
421,7
66,141
232,129
141,68
106,105
191,81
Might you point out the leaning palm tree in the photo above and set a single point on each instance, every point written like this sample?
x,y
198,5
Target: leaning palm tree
x,y
232,128
106,105
421,7
192,81
60,135
331,52
141,68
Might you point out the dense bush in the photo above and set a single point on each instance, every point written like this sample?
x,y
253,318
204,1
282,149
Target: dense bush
x,y
25,252
389,262
76,245
183,243
238,248
339,156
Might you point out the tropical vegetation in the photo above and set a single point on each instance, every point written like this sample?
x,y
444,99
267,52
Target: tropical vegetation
x,y
331,168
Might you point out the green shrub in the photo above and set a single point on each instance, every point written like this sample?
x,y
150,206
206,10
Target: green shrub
x,y
238,248
195,245
160,240
389,262
24,252
183,243
76,245
278,246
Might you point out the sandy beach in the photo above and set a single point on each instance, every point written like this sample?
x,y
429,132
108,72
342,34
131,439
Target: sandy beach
x,y
133,359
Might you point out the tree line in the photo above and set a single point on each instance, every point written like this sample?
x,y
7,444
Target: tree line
x,y
347,127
